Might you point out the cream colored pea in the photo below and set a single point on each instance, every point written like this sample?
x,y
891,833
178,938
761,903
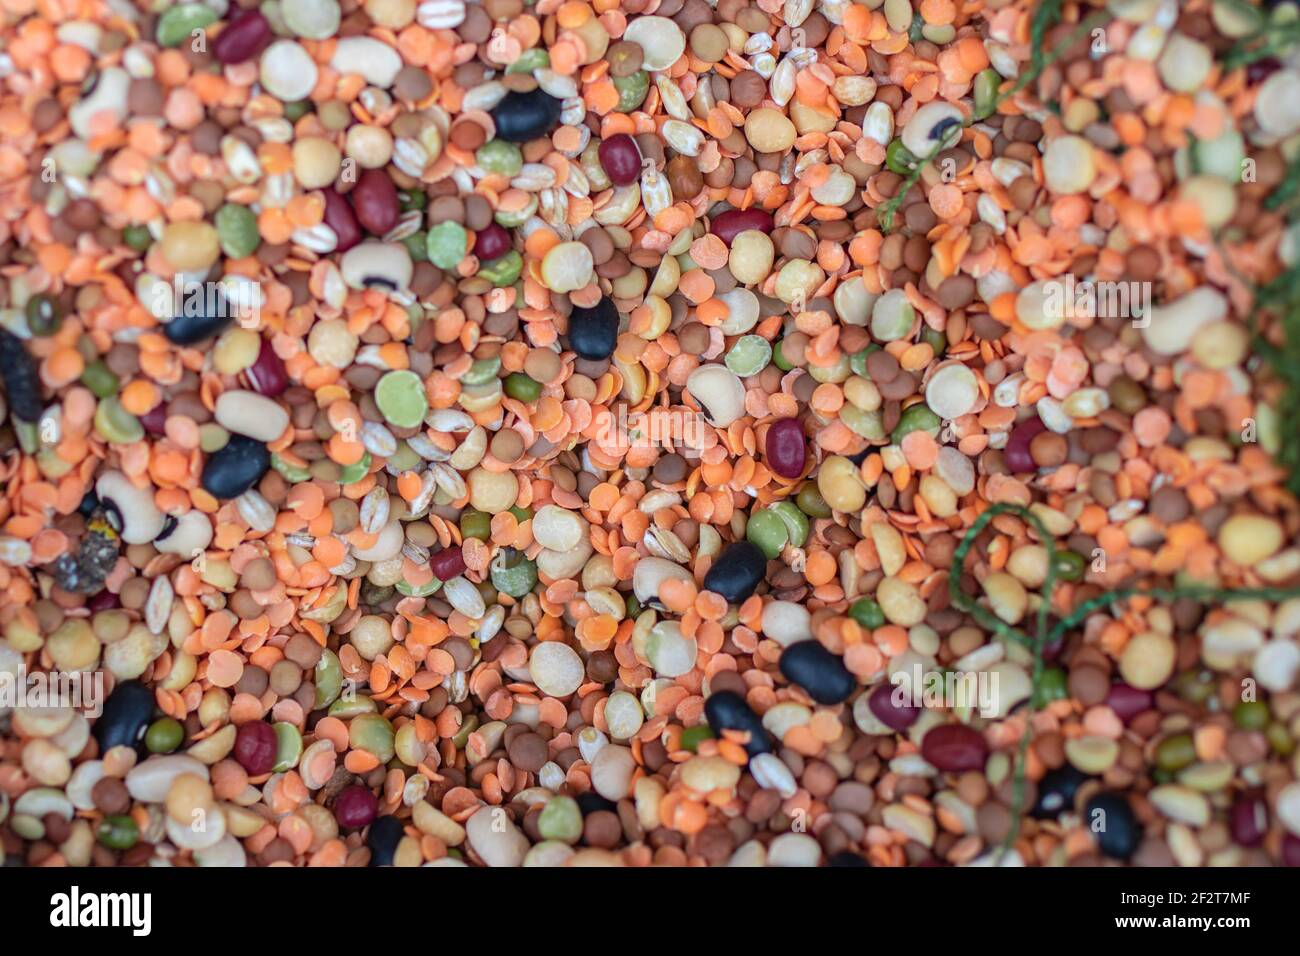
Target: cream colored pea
x,y
555,668
598,573
889,547
751,257
393,14
838,371
558,528
491,491
854,90
73,645
190,246
1007,597
316,162
408,746
840,484
900,602
46,763
940,499
332,343
236,350
661,316
1220,345
706,774
863,393
370,146
567,267
623,715
632,285
1093,754
1068,165
1148,660
1028,565
798,278
1249,539
189,792
667,276
371,637
769,130
1215,197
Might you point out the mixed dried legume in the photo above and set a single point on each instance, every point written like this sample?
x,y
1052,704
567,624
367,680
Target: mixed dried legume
x,y
535,432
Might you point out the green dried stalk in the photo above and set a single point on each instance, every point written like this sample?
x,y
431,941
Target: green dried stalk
x,y
1045,637
1046,16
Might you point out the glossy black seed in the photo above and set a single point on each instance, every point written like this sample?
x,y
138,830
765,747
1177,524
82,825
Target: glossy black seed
x,y
236,467
128,711
591,802
520,117
1056,792
195,324
819,672
847,858
21,379
593,332
89,502
1113,825
737,572
382,838
727,710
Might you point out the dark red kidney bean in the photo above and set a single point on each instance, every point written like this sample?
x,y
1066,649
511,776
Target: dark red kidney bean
x,y
1016,452
786,451
104,600
268,375
1248,820
954,748
620,158
375,202
897,717
255,746
155,420
1261,70
1291,850
242,39
340,218
1128,701
355,807
492,242
728,225
447,563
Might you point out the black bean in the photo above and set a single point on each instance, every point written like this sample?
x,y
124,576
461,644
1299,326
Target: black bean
x,y
593,332
127,714
1112,822
737,572
236,467
727,710
89,502
819,672
592,802
22,381
194,324
382,838
1056,792
520,117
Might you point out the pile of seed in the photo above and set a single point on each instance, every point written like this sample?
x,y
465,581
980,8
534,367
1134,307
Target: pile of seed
x,y
541,432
